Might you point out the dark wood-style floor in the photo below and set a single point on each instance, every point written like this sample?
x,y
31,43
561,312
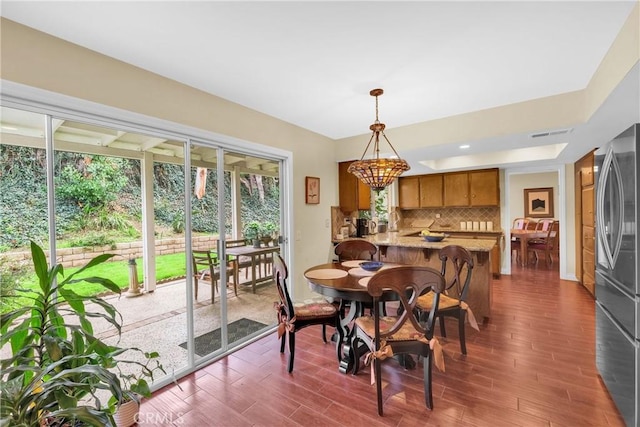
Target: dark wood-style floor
x,y
531,364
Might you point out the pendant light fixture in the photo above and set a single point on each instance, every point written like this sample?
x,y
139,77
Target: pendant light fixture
x,y
378,172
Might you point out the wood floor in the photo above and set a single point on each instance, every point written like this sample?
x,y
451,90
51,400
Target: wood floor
x,y
531,364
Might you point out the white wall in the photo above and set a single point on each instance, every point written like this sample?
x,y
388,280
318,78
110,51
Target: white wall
x,y
519,183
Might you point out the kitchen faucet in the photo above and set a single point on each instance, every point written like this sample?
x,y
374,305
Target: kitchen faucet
x,y
394,219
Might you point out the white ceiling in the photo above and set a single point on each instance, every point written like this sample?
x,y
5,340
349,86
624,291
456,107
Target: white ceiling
x,y
313,63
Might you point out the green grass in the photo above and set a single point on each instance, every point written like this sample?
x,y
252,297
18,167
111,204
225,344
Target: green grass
x,y
167,267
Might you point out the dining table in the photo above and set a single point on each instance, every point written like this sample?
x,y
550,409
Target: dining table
x,y
255,254
525,236
347,281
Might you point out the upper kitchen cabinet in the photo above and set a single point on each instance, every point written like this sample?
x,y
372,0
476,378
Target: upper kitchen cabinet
x,y
431,191
354,194
409,192
424,191
472,188
456,189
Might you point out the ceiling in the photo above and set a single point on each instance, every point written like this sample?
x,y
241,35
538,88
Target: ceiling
x,y
313,63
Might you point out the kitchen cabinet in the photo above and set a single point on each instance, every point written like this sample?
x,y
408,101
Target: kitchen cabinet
x,y
431,191
472,188
585,222
409,192
484,188
456,189
423,191
353,194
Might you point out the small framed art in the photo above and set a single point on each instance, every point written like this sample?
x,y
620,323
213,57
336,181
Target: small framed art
x,y
312,190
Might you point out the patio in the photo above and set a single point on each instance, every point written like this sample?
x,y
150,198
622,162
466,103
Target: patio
x,y
156,321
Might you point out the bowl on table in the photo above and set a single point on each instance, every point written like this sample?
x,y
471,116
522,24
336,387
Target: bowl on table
x,y
371,265
434,237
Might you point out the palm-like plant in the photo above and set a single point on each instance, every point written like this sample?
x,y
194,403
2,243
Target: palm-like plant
x,y
57,364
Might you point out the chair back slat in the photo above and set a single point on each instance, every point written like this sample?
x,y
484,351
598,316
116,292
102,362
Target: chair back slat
x,y
457,264
407,283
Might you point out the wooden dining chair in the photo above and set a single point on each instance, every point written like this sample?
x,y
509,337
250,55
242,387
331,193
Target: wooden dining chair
x,y
547,245
206,266
349,250
293,317
352,250
518,224
386,336
457,263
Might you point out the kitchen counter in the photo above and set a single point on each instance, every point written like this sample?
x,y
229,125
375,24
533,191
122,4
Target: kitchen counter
x,y
404,247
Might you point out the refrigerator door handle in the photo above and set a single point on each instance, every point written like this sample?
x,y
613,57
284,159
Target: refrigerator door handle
x,y
609,167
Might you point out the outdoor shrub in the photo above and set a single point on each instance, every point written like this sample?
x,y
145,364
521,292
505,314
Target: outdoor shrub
x,y
12,273
94,184
92,239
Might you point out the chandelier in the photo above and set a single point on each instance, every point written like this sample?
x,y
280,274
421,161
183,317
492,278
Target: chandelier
x,y
378,172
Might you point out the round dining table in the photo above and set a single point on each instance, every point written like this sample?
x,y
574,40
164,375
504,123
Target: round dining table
x,y
346,281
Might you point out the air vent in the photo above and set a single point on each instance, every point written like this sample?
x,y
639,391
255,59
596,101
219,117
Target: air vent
x,y
550,133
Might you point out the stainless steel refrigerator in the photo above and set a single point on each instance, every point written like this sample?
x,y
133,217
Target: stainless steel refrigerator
x,y
617,291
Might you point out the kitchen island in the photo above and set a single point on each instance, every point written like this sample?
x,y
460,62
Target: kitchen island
x,y
405,248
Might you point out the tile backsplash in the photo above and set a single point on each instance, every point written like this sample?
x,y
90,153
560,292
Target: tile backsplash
x,y
450,217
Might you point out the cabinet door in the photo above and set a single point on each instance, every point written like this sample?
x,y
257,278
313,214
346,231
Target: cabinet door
x,y
431,191
456,189
347,188
587,206
353,194
484,188
586,171
409,192
364,195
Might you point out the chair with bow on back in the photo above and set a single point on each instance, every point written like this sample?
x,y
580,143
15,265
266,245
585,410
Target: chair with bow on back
x,y
349,250
386,336
453,302
352,250
293,317
206,266
546,245
518,224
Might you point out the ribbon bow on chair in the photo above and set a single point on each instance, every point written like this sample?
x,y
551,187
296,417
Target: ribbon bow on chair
x,y
470,317
286,325
384,352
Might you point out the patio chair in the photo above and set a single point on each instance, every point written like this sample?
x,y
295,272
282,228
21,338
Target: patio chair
x,y
206,266
238,262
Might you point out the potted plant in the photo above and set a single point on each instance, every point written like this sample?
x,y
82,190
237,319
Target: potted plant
x,y
252,232
134,383
267,232
57,365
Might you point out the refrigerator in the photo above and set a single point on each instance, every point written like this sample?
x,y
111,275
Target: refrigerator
x,y
617,294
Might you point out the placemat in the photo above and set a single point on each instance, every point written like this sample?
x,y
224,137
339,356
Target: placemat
x,y
364,281
354,263
326,273
360,272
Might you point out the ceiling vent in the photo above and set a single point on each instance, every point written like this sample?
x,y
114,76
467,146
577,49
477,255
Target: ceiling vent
x,y
550,133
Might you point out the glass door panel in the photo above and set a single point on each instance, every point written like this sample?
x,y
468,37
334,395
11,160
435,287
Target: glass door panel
x,y
255,184
23,200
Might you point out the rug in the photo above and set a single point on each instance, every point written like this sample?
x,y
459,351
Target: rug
x,y
212,341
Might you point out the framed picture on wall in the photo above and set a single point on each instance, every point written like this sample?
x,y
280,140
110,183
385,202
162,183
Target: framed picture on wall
x,y
312,190
538,202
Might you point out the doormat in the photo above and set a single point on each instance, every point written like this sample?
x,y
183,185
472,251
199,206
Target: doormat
x,y
212,341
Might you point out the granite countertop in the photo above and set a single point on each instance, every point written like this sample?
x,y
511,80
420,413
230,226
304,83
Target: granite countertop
x,y
403,238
